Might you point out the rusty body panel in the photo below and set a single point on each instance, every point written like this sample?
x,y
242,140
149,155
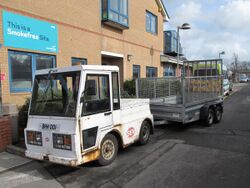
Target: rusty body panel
x,y
91,156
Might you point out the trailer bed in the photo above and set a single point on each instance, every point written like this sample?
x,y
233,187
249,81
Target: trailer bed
x,y
181,98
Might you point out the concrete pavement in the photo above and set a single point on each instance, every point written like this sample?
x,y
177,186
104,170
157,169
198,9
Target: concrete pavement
x,y
9,161
28,176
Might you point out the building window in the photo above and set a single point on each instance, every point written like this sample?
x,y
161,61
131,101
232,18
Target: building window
x,y
22,67
168,71
78,61
115,11
136,71
151,23
151,72
44,62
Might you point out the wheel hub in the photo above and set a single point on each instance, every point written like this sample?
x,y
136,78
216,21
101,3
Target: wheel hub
x,y
108,149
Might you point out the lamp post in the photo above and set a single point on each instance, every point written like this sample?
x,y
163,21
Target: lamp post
x,y
184,26
221,53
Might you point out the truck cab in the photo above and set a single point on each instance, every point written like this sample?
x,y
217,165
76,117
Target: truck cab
x,y
76,115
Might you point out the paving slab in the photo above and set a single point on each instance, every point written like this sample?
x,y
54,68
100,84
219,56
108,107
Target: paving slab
x,y
28,176
9,161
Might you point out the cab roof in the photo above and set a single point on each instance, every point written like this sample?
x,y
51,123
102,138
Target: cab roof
x,y
79,68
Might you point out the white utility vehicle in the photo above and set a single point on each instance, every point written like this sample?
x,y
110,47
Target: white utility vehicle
x,y
76,116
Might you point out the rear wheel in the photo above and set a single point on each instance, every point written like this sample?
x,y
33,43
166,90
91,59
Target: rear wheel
x,y
144,133
109,149
209,119
218,114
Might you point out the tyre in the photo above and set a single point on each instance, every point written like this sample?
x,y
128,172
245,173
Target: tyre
x,y
218,114
209,119
144,133
108,150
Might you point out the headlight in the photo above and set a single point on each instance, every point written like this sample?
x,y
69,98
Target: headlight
x,y
34,138
62,141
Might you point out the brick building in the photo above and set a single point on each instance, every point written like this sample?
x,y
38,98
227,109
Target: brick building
x,y
45,34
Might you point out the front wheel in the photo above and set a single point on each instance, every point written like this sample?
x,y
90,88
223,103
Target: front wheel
x,y
144,133
109,149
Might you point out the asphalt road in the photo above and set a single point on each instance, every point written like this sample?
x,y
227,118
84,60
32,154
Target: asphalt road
x,y
176,156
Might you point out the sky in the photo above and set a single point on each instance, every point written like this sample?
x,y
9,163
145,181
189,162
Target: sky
x,y
216,25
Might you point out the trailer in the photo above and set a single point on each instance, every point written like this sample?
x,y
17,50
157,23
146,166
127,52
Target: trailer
x,y
76,116
196,95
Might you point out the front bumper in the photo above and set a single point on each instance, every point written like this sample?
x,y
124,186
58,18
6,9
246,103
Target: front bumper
x,y
54,159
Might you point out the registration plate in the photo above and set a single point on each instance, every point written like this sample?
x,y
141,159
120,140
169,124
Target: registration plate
x,y
49,127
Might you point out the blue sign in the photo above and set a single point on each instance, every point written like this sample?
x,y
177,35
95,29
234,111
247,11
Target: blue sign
x,y
29,33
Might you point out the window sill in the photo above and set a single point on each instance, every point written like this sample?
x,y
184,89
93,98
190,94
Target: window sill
x,y
115,24
13,91
155,34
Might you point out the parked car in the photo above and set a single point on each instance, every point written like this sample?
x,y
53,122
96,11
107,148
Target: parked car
x,y
243,79
226,87
248,79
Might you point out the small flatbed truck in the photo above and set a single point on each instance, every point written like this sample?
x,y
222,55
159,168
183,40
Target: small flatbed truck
x,y
76,115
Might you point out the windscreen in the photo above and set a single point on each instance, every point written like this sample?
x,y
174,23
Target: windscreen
x,y
55,94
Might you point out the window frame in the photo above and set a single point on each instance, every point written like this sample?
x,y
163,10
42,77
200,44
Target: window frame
x,y
33,69
118,12
150,14
167,69
152,68
80,59
139,73
54,84
84,114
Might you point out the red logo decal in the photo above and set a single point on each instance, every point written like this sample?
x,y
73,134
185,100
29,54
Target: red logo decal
x,y
131,132
2,76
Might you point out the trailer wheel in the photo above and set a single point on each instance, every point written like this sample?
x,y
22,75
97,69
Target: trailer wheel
x,y
209,119
144,133
218,114
109,149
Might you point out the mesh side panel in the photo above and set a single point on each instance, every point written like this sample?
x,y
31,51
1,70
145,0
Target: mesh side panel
x,y
158,87
174,90
202,88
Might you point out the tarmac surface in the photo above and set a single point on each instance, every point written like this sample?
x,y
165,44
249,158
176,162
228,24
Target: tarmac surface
x,y
176,156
